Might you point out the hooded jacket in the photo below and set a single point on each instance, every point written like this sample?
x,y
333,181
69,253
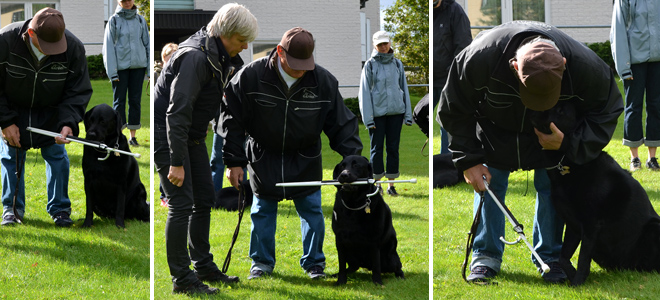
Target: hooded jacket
x,y
47,95
451,33
188,93
635,34
283,126
383,89
481,109
126,42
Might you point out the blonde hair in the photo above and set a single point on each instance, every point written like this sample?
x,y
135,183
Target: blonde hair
x,y
233,18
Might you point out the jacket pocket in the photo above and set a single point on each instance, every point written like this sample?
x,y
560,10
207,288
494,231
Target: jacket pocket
x,y
15,74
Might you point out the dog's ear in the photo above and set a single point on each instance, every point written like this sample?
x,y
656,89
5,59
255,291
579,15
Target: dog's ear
x,y
118,122
86,117
338,168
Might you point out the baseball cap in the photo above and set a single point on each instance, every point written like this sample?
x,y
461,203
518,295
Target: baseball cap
x,y
381,37
298,44
48,24
540,70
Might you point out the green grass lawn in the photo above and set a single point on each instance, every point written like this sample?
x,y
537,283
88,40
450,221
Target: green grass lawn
x,y
452,217
411,221
39,260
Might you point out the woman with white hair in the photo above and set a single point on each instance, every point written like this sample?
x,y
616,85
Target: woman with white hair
x,y
187,96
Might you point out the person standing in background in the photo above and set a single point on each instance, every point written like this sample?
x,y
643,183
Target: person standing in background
x,y
635,37
126,58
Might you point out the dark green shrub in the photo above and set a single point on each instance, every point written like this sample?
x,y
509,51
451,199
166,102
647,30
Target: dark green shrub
x,y
354,105
604,51
95,67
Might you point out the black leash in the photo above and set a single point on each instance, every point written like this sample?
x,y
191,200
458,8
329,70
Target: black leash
x,y
241,209
19,170
471,235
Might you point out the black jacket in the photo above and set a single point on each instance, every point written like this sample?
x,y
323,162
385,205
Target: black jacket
x,y
47,95
188,93
481,96
451,33
284,126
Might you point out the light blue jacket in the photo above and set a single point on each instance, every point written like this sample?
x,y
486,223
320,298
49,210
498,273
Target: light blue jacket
x,y
635,34
126,42
383,89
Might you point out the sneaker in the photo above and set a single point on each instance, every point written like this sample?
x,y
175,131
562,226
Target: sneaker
x,y
9,220
315,272
652,164
556,274
392,191
164,202
481,274
635,164
196,288
256,274
133,142
217,276
62,219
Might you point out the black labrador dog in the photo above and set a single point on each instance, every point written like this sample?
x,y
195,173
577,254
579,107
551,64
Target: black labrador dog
x,y
604,207
227,198
112,185
362,223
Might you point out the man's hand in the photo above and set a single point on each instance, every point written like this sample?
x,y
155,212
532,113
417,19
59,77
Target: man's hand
x,y
12,135
176,175
235,176
550,141
66,131
475,177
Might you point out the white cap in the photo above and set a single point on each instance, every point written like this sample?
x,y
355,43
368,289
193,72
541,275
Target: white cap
x,y
381,37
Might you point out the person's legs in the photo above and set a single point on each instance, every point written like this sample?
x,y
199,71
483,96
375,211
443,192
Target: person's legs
x,y
119,89
57,176
135,84
633,135
488,249
392,140
8,158
652,140
377,139
217,164
262,235
548,226
312,229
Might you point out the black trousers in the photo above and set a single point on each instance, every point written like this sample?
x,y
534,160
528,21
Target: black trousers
x,y
189,216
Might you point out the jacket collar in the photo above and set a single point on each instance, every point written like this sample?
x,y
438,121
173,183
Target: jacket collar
x,y
126,13
272,75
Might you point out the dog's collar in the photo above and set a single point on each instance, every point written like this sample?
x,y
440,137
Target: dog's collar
x,y
563,169
366,205
108,152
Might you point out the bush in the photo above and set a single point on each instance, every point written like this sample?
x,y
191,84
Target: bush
x,y
96,67
354,106
604,51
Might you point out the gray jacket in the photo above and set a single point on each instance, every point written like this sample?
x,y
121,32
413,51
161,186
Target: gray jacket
x,y
383,89
126,42
635,34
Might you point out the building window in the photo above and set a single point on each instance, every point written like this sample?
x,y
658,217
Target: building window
x,y
495,12
262,48
11,12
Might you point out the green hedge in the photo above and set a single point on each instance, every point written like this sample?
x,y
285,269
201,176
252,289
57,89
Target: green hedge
x,y
95,67
604,51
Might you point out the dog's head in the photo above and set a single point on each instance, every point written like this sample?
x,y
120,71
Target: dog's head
x,y
563,115
352,168
102,123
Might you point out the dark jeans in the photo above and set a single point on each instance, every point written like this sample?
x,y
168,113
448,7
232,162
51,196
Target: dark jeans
x,y
387,133
189,217
646,78
130,80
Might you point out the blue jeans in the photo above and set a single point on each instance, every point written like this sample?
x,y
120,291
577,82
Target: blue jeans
x,y
646,78
387,132
262,236
547,231
217,164
57,179
130,81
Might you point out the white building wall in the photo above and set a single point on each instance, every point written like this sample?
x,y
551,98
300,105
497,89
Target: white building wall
x,y
334,24
583,12
85,19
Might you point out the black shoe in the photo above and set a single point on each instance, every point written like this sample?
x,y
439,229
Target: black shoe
x,y
556,274
481,274
392,191
652,164
9,220
256,273
196,288
217,276
315,272
133,142
62,219
635,164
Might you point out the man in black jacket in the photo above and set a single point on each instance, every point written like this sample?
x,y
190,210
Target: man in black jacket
x,y
187,96
493,84
44,83
283,102
451,34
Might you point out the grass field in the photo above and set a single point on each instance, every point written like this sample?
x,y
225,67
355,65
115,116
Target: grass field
x,y
452,217
39,260
411,221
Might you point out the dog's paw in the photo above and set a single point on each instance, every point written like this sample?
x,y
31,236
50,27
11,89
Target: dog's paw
x,y
87,224
340,283
120,225
399,274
